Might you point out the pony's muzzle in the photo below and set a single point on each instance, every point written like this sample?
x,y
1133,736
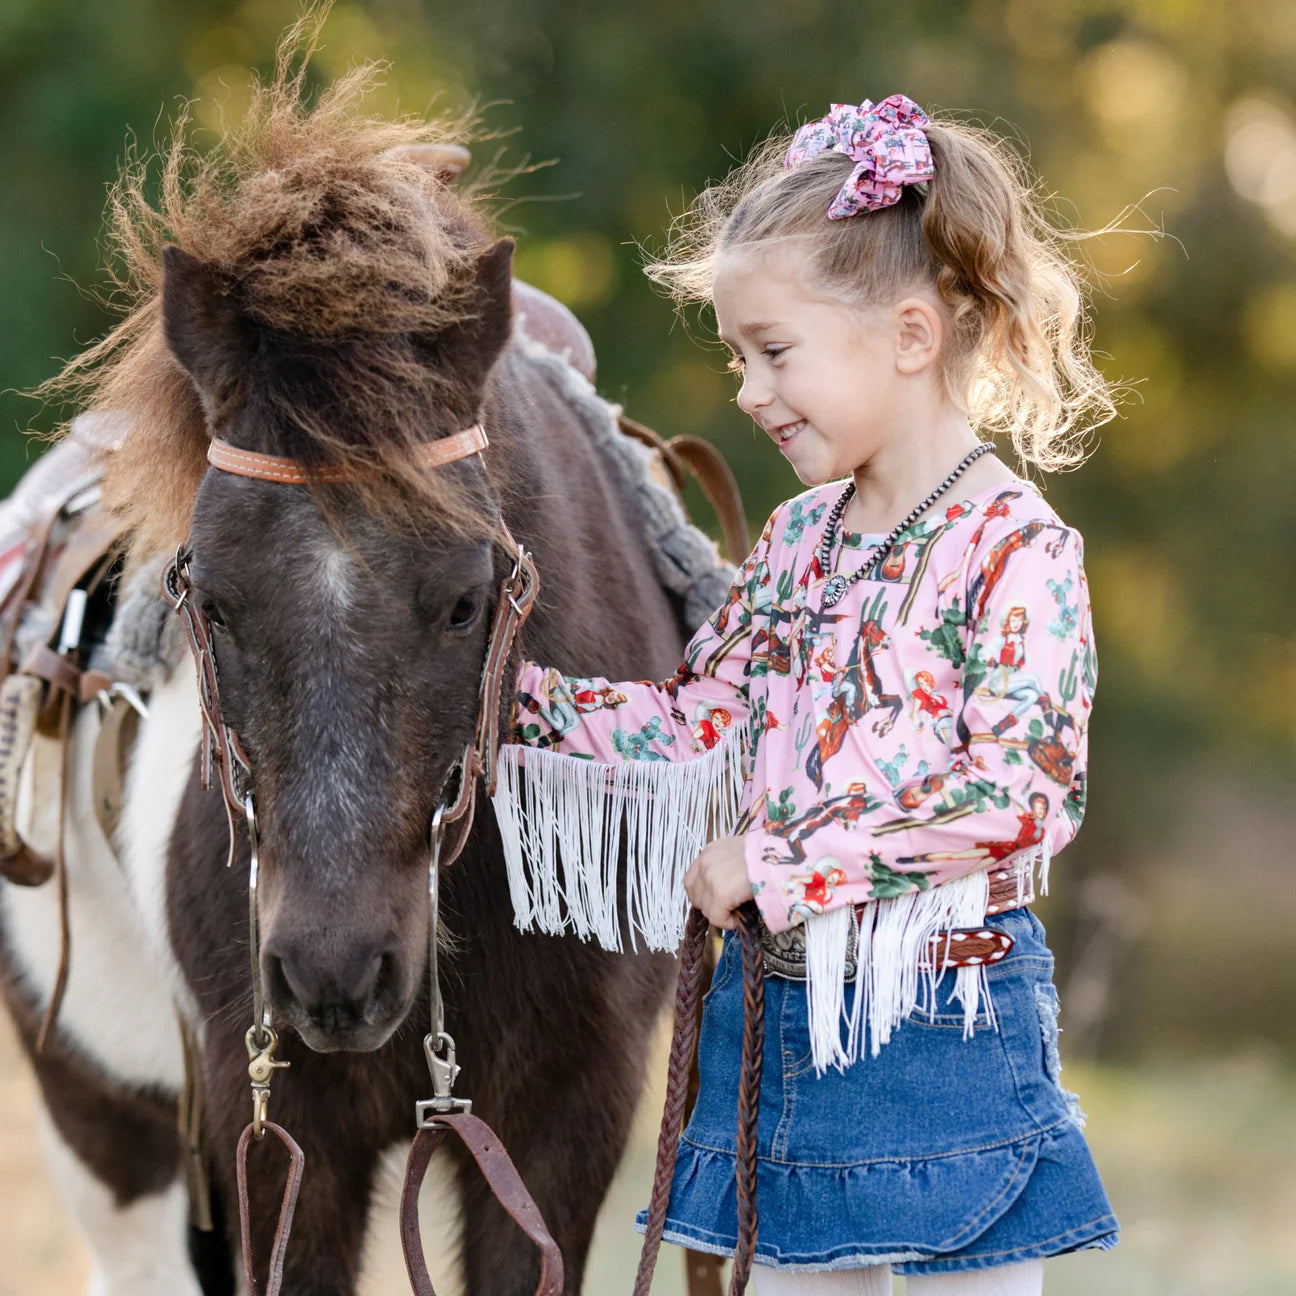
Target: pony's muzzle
x,y
334,1003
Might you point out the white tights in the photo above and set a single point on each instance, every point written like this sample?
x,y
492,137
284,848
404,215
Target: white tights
x,y
1025,1279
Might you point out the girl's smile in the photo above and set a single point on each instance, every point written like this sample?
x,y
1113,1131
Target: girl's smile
x,y
804,361
784,434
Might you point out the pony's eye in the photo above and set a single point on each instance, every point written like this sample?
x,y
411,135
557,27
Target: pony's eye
x,y
212,612
465,612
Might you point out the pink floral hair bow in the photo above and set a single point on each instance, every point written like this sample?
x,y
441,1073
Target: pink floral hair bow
x,y
886,142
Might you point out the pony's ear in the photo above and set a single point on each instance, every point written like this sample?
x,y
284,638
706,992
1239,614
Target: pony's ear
x,y
467,351
201,320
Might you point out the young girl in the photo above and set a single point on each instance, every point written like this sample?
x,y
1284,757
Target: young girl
x,y
889,297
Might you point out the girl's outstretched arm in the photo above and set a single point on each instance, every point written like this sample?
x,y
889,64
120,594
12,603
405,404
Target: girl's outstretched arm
x,y
687,715
609,790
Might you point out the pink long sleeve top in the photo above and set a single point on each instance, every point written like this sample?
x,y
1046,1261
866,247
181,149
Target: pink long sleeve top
x,y
930,725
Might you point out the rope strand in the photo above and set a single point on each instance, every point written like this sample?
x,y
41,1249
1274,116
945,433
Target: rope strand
x,y
683,1046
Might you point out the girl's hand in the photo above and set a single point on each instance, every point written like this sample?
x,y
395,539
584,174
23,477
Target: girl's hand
x,y
717,881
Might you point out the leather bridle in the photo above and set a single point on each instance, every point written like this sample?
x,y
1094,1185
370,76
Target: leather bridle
x,y
277,468
516,595
443,1113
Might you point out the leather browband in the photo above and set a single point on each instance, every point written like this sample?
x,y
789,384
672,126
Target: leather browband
x,y
276,468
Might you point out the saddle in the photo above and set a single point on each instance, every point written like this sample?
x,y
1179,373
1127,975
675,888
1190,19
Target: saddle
x,y
58,546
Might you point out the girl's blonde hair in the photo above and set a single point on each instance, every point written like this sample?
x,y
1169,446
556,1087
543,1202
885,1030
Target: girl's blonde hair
x,y
1019,360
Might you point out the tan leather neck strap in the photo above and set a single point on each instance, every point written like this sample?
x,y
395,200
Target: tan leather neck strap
x,y
289,472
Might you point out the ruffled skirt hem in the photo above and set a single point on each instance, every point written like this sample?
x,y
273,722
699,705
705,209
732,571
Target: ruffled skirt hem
x,y
1036,1198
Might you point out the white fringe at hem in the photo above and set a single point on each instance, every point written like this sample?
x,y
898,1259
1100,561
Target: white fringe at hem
x,y
894,970
563,821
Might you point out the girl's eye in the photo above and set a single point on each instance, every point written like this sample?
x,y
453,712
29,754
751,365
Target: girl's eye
x,y
771,353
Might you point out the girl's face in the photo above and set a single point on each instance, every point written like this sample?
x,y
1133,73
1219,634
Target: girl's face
x,y
818,376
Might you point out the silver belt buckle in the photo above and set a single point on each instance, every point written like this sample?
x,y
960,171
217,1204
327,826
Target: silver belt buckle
x,y
785,952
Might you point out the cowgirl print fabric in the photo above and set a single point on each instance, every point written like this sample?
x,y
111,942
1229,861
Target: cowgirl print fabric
x,y
931,724
886,142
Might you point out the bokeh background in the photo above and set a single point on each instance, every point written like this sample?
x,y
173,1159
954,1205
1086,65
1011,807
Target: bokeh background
x,y
1172,914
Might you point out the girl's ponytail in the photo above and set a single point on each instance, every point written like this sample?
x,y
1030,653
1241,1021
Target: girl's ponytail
x,y
1021,349
1018,360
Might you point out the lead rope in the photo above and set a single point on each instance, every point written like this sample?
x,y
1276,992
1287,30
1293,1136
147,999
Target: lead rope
x,y
683,1047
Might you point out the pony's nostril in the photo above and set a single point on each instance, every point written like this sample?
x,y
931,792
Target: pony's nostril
x,y
387,977
283,985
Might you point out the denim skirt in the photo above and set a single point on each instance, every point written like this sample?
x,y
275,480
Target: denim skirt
x,y
939,1154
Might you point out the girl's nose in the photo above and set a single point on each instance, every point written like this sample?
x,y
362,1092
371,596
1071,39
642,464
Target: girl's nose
x,y
753,397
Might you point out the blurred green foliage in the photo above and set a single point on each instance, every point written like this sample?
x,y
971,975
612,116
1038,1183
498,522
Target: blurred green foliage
x,y
1183,106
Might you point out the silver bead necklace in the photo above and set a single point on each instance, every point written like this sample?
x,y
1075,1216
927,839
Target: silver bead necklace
x,y
837,585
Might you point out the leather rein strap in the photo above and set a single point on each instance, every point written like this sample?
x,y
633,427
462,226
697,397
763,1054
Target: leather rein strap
x,y
505,1182
287,1207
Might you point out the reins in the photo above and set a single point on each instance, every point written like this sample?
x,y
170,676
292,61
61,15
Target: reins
x,y
684,1038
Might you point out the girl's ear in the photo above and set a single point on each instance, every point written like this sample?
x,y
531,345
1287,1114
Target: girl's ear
x,y
919,331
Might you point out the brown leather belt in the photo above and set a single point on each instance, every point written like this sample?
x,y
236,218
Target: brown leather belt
x,y
785,954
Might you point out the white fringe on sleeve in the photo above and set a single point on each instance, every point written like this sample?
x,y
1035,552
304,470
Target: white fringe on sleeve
x,y
564,820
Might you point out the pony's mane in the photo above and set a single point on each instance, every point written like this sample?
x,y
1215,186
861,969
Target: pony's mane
x,y
329,237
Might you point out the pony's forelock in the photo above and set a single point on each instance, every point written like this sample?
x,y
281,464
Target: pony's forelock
x,y
332,237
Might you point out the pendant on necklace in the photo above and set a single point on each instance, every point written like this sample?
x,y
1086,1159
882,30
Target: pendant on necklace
x,y
835,590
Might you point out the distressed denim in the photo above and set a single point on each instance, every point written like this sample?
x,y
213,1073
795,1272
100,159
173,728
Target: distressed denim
x,y
940,1154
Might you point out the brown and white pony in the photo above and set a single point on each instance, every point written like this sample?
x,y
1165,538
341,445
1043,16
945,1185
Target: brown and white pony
x,y
323,299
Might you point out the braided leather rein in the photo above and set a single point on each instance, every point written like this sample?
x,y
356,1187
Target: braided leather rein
x,y
683,1046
